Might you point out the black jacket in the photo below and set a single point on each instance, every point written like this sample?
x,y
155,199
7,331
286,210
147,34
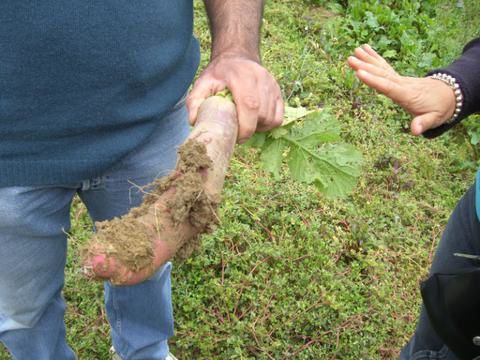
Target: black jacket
x,y
452,301
466,70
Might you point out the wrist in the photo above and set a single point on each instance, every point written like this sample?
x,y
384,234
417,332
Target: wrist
x,y
455,95
235,53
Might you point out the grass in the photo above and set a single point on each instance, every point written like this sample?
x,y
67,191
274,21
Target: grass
x,y
289,273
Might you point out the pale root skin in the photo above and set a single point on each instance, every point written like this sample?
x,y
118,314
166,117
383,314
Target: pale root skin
x,y
217,128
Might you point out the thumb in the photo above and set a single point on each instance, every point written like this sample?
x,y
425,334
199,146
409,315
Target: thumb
x,y
202,89
424,122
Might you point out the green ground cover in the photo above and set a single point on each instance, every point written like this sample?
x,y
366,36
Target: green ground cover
x,y
290,274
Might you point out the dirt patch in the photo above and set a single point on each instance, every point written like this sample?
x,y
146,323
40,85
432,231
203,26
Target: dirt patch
x,y
174,200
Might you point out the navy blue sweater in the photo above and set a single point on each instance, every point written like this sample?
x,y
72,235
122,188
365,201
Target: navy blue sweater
x,y
83,83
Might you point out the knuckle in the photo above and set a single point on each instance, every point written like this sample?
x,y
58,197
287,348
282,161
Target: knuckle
x,y
251,102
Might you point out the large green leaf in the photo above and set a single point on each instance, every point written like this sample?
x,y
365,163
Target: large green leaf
x,y
314,153
294,113
272,155
257,140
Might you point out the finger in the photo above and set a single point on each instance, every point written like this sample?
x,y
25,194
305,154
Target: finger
x,y
373,58
277,118
267,108
274,117
424,122
279,111
357,64
202,89
265,122
247,110
354,62
265,115
393,89
361,54
248,106
369,50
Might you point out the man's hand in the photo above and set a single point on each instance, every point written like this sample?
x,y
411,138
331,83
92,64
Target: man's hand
x,y
255,92
235,65
429,101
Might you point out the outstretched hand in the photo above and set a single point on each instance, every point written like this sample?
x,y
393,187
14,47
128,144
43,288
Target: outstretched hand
x,y
430,102
255,92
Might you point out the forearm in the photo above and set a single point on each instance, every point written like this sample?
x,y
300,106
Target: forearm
x,y
235,65
235,27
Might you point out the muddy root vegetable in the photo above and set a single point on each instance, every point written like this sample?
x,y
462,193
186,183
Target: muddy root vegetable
x,y
176,210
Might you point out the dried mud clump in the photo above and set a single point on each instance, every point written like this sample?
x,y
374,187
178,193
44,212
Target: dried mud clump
x,y
170,202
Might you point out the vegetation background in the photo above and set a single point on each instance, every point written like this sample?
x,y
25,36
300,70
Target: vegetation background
x,y
290,274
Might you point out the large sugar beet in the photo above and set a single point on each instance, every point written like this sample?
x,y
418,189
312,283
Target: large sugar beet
x,y
176,210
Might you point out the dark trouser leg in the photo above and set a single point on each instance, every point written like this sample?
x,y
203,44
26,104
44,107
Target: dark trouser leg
x,y
462,235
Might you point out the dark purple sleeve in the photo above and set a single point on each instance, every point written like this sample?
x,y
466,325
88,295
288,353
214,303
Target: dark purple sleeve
x,y
466,70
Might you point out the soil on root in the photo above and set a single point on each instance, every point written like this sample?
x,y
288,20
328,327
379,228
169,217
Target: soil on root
x,y
130,241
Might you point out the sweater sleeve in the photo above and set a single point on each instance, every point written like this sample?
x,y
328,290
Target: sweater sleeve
x,y
466,70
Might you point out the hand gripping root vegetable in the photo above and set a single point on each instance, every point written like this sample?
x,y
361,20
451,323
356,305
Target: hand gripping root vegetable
x,y
176,210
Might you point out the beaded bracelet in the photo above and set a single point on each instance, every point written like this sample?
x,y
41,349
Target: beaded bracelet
x,y
452,82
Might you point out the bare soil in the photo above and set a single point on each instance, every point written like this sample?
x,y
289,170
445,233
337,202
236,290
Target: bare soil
x,y
130,238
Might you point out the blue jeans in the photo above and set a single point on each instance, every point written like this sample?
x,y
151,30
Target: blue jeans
x,y
461,235
33,246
